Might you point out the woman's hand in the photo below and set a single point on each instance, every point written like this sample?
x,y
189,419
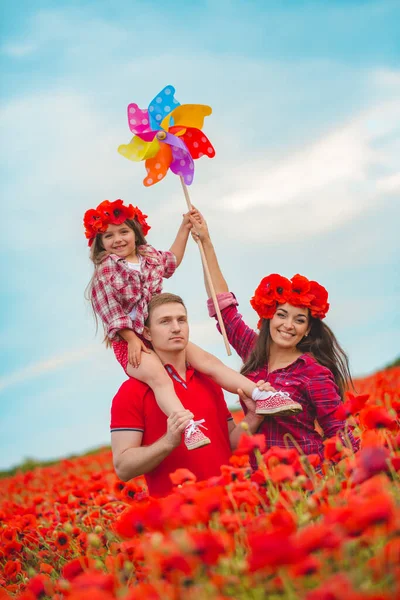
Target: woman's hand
x,y
135,348
199,226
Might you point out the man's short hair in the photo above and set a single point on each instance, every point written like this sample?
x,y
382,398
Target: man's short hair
x,y
160,300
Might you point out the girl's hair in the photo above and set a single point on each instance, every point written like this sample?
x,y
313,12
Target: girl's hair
x,y
321,343
97,254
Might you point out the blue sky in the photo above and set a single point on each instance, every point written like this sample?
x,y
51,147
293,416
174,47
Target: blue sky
x,y
306,126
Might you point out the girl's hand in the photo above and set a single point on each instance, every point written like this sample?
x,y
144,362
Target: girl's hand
x,y
186,224
199,226
264,386
135,349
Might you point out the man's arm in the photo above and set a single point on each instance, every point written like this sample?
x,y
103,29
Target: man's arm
x,y
251,422
131,459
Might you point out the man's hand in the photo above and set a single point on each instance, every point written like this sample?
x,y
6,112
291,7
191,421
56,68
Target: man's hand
x,y
251,407
135,349
176,424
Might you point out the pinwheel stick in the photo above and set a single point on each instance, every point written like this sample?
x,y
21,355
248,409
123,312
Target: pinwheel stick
x,y
208,276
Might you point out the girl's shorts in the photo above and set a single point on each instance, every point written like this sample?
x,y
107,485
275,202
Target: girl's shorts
x,y
120,348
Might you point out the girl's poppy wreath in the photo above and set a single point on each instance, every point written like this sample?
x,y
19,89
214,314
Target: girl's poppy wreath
x,y
298,291
96,220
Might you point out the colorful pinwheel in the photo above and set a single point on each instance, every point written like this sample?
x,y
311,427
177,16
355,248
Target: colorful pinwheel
x,y
167,136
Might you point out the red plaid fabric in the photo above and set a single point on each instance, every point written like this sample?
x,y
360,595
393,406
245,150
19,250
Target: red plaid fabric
x,y
117,288
307,382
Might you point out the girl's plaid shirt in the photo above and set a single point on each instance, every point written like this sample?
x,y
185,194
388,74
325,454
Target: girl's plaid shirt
x,y
307,382
117,289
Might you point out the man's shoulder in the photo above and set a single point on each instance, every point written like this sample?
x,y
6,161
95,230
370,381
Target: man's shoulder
x,y
130,389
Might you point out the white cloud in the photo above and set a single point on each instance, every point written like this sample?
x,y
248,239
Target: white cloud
x,y
390,184
18,50
320,186
52,364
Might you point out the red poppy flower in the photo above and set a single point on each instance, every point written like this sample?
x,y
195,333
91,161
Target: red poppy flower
x,y
272,290
208,546
210,500
275,289
90,594
319,305
62,540
371,460
248,443
101,581
318,536
337,587
300,291
41,585
272,550
45,568
141,516
74,567
377,417
133,491
12,568
308,566
141,219
93,220
181,476
97,220
173,566
282,473
105,210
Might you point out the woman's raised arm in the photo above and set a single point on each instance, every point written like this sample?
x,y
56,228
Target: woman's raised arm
x,y
240,336
200,232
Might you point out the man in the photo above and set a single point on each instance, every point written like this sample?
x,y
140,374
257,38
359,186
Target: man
x,y
144,441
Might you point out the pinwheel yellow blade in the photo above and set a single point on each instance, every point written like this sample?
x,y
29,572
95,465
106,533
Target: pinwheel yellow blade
x,y
138,150
190,115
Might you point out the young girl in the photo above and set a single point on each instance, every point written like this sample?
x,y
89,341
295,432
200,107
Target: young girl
x,y
128,272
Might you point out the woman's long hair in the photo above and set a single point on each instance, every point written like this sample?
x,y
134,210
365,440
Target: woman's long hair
x,y
321,343
97,255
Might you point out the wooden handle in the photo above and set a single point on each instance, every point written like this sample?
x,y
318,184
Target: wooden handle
x,y
208,277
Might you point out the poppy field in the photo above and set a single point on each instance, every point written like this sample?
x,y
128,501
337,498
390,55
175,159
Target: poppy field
x,y
292,529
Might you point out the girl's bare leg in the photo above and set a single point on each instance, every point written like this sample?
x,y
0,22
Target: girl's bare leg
x,y
214,368
152,372
268,401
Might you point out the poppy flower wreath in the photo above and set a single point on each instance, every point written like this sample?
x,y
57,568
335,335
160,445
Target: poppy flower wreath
x,y
96,220
298,291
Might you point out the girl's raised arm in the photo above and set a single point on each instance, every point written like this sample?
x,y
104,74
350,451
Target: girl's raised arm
x,y
179,246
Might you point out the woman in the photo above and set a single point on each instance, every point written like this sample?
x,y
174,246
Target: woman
x,y
294,351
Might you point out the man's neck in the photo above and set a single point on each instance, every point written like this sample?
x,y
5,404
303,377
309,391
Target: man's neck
x,y
176,360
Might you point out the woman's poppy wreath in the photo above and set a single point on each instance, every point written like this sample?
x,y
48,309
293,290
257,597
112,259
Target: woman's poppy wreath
x,y
96,220
298,291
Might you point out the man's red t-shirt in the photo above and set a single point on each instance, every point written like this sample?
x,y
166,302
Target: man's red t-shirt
x,y
134,408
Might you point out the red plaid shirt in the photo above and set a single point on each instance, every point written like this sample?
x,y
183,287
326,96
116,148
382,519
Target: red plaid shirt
x,y
307,382
117,289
